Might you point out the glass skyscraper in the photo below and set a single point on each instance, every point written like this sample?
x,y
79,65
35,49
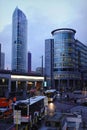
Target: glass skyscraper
x,y
69,66
49,46
29,62
19,41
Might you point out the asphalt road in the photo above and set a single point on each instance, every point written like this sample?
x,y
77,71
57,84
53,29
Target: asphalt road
x,y
59,105
6,124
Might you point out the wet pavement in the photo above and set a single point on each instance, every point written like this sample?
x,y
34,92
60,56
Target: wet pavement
x,y
61,105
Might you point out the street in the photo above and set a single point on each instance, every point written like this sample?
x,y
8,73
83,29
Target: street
x,y
59,105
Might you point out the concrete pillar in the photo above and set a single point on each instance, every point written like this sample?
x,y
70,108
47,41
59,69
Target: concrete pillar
x,y
9,85
26,86
25,90
16,85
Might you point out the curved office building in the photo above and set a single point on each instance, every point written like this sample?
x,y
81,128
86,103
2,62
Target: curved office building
x,y
19,41
65,70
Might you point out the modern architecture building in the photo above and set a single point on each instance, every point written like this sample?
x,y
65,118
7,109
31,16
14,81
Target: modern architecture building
x,y
49,46
81,50
69,67
2,61
29,62
39,70
19,41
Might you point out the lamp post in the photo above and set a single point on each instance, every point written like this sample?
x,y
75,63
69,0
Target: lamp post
x,y
42,73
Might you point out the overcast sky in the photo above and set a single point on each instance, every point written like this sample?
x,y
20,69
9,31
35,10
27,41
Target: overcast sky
x,y
43,17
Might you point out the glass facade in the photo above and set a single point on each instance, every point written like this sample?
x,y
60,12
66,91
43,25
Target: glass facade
x,y
49,45
64,50
29,61
69,60
19,41
81,50
64,69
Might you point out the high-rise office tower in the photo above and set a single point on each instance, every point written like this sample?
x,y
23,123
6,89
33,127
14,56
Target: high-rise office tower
x,y
19,41
49,48
29,62
2,61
